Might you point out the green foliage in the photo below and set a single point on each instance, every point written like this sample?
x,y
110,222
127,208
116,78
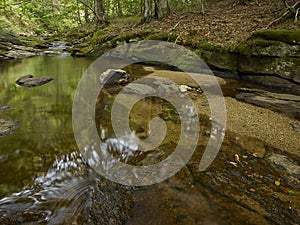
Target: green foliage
x,y
42,16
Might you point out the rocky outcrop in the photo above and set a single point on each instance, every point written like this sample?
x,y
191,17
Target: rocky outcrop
x,y
12,48
286,103
31,81
270,58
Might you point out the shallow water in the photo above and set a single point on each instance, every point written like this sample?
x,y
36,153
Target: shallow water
x,y
44,179
44,116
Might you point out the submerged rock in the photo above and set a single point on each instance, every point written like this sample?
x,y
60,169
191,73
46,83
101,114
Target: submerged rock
x,y
6,108
31,81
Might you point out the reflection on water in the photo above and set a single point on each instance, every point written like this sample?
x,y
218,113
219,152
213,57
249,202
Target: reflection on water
x,y
44,115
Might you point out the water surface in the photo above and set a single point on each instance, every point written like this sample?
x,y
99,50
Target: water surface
x,y
44,115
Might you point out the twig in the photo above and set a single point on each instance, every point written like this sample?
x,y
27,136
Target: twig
x,y
296,7
274,21
175,25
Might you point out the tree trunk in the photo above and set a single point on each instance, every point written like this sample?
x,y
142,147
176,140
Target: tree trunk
x,y
119,10
148,11
78,12
100,13
86,14
162,9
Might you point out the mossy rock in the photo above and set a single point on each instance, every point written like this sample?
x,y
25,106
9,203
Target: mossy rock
x,y
6,37
261,47
285,68
165,37
122,38
207,46
103,38
288,36
35,42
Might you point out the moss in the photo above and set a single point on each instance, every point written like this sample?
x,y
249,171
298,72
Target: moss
x,y
164,37
193,32
146,32
288,36
122,38
198,52
204,45
263,43
244,48
35,42
98,33
253,45
102,39
125,19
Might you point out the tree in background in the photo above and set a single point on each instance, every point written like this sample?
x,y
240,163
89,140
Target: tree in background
x,y
100,13
161,9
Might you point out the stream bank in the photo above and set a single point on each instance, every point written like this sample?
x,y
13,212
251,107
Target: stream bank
x,y
267,57
14,46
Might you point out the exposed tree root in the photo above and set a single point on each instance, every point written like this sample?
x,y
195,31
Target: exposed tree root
x,y
290,10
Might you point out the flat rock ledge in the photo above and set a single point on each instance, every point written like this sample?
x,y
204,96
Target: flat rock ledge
x,y
31,81
286,103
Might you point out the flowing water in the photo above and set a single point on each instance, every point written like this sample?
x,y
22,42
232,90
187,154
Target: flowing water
x,y
45,179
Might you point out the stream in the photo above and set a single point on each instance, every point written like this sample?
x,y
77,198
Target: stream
x,y
44,179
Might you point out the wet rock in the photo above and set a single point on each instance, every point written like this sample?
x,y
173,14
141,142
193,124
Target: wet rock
x,y
113,77
140,89
31,81
69,193
286,103
6,108
7,126
285,162
296,127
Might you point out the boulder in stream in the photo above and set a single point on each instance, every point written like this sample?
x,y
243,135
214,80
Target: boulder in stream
x,y
7,126
113,77
31,81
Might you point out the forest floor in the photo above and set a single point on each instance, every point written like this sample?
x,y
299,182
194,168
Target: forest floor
x,y
223,24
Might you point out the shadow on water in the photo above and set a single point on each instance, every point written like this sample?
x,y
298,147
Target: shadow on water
x,y
45,180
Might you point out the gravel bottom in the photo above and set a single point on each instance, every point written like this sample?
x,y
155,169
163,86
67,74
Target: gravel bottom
x,y
273,128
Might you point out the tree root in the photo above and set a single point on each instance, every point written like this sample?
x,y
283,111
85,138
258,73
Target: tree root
x,y
291,10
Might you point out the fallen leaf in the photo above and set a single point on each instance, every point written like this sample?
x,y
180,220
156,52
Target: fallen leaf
x,y
233,163
277,182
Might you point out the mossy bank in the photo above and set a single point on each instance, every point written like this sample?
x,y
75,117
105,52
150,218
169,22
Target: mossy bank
x,y
267,57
